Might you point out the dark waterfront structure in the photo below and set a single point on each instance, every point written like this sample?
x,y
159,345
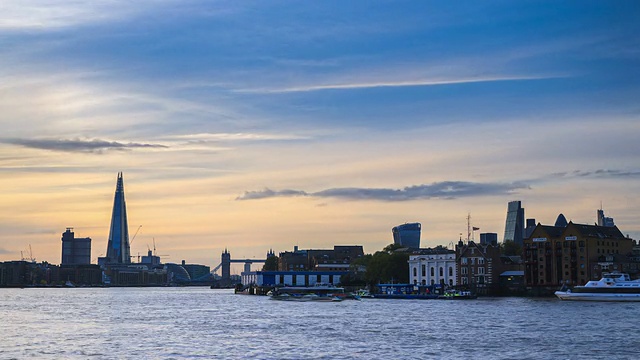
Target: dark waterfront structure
x,y
407,235
514,227
118,250
75,251
574,254
337,259
226,267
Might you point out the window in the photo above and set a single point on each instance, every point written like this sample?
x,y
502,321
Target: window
x,y
433,271
473,261
441,271
415,272
450,282
464,281
473,250
481,261
481,270
450,271
463,271
464,260
424,270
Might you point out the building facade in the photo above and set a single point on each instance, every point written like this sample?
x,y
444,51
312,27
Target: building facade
x,y
514,226
570,255
478,266
337,259
291,278
75,251
433,267
407,235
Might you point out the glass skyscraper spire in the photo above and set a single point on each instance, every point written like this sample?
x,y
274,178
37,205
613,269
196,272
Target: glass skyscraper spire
x,y
118,250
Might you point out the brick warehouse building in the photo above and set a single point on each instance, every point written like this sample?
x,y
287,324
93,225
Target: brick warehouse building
x,y
556,255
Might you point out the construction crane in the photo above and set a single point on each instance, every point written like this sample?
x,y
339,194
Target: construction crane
x,y
134,235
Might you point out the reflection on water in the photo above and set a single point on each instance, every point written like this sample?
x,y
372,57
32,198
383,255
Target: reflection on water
x,y
115,323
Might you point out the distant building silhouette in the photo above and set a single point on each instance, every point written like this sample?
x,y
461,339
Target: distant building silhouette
x,y
603,220
514,227
407,235
561,221
75,251
118,249
489,239
226,266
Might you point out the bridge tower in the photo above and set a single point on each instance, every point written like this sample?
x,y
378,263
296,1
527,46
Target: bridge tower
x,y
226,266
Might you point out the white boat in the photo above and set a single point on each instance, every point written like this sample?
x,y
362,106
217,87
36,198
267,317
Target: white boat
x,y
612,287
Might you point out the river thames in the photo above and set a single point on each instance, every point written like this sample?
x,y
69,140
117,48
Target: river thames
x,y
197,322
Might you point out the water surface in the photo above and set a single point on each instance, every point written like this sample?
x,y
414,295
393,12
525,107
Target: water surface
x,y
188,323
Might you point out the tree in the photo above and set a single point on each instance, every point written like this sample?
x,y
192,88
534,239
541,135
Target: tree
x,y
510,248
387,266
271,264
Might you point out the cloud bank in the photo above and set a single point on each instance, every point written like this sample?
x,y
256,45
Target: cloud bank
x,y
78,145
441,190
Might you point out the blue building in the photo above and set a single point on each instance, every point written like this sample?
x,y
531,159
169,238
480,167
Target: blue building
x,y
118,248
514,227
291,278
407,235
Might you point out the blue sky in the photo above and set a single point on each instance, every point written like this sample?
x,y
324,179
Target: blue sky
x,y
318,123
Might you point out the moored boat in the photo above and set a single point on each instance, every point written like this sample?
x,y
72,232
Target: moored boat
x,y
318,292
457,295
612,287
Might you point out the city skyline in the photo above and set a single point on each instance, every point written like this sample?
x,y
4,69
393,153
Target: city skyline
x,y
254,126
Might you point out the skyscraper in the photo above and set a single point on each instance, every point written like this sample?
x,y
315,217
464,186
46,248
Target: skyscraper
x,y
514,228
407,235
603,220
75,251
118,251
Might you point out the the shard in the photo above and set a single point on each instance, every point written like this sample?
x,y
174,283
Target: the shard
x,y
118,250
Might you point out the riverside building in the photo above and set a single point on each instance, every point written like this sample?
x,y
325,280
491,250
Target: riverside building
x,y
572,255
433,266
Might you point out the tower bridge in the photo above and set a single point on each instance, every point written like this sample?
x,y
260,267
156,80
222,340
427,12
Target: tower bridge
x,y
225,264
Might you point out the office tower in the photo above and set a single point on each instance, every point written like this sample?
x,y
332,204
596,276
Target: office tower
x,y
514,228
407,235
603,220
561,221
489,239
75,251
118,251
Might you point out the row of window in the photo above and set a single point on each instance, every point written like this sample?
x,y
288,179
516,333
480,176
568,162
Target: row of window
x,y
465,261
464,271
433,270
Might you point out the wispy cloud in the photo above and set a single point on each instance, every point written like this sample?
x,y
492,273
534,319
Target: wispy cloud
x,y
399,83
78,145
442,190
238,137
600,173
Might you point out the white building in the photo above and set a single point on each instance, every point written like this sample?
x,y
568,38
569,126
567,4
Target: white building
x,y
435,268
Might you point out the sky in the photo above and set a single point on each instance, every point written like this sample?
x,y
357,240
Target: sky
x,y
257,125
